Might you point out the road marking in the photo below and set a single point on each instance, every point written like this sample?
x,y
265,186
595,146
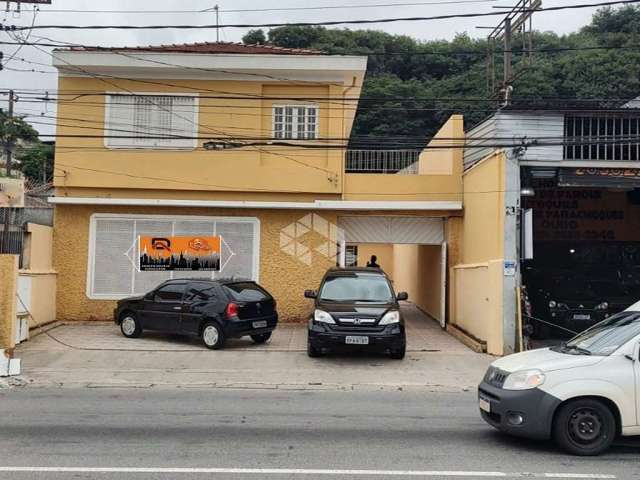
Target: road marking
x,y
305,471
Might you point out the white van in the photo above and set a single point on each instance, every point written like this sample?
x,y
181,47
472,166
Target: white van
x,y
582,394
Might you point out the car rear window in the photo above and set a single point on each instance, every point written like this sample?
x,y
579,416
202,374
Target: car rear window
x,y
246,292
356,288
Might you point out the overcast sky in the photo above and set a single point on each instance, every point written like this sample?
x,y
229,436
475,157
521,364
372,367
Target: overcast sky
x,y
560,22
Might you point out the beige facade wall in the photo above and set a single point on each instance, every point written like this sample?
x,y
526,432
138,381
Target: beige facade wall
x,y
8,283
283,275
38,250
477,254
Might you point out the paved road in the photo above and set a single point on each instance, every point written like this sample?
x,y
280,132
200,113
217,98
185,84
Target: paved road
x,y
190,434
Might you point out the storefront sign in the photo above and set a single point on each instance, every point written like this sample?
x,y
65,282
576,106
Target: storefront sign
x,y
599,177
179,253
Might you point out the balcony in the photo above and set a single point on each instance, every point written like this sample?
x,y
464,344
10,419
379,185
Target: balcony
x,y
401,162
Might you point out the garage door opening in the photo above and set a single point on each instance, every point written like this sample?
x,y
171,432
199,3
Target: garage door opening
x,y
586,250
411,250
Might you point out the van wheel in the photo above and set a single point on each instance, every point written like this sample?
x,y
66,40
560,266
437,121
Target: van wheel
x,y
212,336
260,339
130,325
584,427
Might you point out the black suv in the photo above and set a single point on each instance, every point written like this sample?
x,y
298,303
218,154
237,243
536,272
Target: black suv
x,y
356,307
214,310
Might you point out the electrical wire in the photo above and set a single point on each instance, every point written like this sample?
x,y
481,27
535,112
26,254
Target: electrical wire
x,y
313,24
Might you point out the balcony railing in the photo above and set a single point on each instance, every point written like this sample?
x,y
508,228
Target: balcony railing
x,y
401,162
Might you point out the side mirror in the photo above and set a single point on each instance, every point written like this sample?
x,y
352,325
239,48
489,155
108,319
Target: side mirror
x,y
310,294
402,296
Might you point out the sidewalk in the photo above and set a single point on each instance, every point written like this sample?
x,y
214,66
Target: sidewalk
x,y
97,355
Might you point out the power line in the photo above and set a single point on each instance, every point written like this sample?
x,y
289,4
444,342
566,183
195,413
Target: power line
x,y
313,24
282,9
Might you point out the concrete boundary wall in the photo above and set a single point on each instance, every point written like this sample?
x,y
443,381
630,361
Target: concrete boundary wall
x,y
8,286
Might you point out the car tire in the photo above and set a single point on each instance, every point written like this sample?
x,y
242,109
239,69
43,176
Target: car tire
x,y
212,336
130,325
584,427
312,351
261,338
398,353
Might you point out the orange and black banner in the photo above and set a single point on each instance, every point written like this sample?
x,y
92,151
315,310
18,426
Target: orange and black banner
x,y
179,253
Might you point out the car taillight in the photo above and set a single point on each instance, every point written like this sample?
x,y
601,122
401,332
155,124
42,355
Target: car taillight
x,y
232,310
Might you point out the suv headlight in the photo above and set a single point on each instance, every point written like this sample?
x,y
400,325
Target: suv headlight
x,y
322,317
524,380
390,318
602,306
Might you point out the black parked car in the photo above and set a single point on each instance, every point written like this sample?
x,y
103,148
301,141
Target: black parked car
x,y
356,307
213,310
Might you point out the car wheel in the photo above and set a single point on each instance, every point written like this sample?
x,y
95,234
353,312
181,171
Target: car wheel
x,y
398,353
584,427
312,351
212,336
260,339
130,326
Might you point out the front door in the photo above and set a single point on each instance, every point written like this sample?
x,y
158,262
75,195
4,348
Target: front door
x,y
200,298
163,307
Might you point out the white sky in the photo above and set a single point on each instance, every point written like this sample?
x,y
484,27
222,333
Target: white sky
x,y
560,22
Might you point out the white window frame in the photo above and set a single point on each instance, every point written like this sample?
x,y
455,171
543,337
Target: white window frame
x,y
108,132
124,216
295,133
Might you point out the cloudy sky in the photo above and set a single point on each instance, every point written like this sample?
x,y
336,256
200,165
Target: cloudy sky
x,y
78,12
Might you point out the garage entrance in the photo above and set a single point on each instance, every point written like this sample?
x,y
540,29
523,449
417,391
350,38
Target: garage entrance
x,y
586,248
411,250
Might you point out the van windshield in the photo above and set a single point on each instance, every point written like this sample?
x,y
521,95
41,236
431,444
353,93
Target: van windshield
x,y
356,288
607,336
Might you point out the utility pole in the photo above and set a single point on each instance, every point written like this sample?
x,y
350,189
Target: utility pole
x,y
217,10
8,146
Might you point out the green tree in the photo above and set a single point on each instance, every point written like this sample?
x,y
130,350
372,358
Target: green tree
x,y
255,37
36,162
15,133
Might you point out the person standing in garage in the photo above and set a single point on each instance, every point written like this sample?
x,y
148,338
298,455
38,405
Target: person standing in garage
x,y
373,263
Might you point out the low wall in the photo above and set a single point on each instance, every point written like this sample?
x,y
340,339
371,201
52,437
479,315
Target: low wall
x,y
8,283
476,302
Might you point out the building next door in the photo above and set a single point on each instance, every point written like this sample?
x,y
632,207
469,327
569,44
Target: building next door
x,y
411,250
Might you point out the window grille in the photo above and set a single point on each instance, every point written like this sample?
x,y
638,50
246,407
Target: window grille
x,y
295,122
609,138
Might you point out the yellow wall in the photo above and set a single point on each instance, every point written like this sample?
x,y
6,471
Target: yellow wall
x,y
8,283
477,255
439,178
38,251
289,169
383,251
418,270
483,222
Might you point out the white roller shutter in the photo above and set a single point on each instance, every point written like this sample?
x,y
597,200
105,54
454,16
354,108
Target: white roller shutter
x,y
113,250
398,230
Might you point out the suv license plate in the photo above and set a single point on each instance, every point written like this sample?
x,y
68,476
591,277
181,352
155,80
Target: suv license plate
x,y
357,340
578,316
484,405
260,324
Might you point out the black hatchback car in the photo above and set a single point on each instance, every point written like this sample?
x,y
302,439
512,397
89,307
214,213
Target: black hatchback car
x,y
213,310
356,307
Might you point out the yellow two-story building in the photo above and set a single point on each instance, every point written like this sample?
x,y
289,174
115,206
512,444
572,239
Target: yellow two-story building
x,y
248,144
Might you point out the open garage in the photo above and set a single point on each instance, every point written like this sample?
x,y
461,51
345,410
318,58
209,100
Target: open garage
x,y
586,247
411,250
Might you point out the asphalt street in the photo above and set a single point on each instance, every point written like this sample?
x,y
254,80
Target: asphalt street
x,y
176,434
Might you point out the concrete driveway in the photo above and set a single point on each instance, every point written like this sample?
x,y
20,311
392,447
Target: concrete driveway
x,y
97,355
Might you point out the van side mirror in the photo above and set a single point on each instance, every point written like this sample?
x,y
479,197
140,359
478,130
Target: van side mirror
x,y
310,294
402,296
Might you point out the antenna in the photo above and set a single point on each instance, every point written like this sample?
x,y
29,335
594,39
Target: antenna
x,y
517,19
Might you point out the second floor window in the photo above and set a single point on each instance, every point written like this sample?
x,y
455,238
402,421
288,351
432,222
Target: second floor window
x,y
151,121
295,122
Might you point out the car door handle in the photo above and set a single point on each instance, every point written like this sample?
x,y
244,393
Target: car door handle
x,y
177,308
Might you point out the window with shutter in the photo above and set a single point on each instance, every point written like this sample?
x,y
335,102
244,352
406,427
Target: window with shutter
x,y
113,255
295,122
151,121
